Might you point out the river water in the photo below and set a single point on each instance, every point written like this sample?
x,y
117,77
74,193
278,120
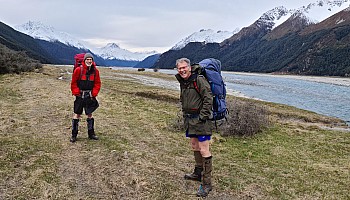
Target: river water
x,y
324,97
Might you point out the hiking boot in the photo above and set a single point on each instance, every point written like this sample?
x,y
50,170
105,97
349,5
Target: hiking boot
x,y
92,135
75,125
206,186
73,139
196,175
203,190
91,131
197,172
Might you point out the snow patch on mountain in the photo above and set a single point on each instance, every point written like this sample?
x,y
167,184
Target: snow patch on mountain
x,y
322,9
38,30
273,17
207,36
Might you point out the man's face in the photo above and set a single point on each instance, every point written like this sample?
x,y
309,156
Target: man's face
x,y
88,62
184,70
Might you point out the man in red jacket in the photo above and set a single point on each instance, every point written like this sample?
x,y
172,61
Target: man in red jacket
x,y
85,86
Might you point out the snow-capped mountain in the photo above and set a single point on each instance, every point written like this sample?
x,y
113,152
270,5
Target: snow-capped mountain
x,y
113,51
208,36
40,31
302,17
313,13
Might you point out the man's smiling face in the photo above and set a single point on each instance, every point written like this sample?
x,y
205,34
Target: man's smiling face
x,y
184,70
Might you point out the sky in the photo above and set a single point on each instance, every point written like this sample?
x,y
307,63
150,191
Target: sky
x,y
139,25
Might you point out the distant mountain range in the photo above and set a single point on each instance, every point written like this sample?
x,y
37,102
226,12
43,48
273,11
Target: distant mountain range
x,y
313,39
110,52
62,45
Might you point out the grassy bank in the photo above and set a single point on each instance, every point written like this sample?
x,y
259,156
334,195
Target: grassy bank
x,y
139,155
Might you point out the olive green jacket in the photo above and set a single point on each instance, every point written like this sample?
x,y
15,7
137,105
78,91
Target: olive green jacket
x,y
196,106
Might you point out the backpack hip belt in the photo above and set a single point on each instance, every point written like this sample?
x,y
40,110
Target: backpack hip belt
x,y
85,93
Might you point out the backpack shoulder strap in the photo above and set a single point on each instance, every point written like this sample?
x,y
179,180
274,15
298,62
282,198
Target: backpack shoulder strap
x,y
94,71
195,83
81,71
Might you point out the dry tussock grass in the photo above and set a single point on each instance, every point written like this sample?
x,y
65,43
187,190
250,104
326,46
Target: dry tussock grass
x,y
138,156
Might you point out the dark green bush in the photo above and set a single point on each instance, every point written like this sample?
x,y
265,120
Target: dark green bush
x,y
16,62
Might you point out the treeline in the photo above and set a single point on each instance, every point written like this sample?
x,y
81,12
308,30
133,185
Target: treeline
x,y
16,61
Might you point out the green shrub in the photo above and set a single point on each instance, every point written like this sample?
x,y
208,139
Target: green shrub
x,y
16,62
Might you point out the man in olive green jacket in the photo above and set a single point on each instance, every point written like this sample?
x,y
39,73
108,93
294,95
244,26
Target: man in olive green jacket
x,y
196,99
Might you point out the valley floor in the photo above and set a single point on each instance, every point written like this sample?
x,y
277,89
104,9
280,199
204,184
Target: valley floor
x,y
140,155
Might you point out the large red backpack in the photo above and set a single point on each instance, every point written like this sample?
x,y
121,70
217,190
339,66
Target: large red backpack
x,y
79,59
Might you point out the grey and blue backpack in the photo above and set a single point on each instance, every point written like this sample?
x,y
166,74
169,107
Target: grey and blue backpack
x,y
211,70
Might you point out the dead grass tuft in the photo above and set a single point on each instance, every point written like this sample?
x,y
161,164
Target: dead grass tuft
x,y
161,97
245,119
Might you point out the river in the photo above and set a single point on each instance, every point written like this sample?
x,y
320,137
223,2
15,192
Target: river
x,y
324,95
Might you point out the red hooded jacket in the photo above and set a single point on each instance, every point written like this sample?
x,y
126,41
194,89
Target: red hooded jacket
x,y
79,78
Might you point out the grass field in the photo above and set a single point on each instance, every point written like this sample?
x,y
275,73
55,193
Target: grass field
x,y
140,156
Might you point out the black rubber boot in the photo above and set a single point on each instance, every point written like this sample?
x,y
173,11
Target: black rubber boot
x,y
196,175
91,131
206,186
197,172
75,126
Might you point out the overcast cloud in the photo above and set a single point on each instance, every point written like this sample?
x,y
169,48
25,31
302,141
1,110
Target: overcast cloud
x,y
139,25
